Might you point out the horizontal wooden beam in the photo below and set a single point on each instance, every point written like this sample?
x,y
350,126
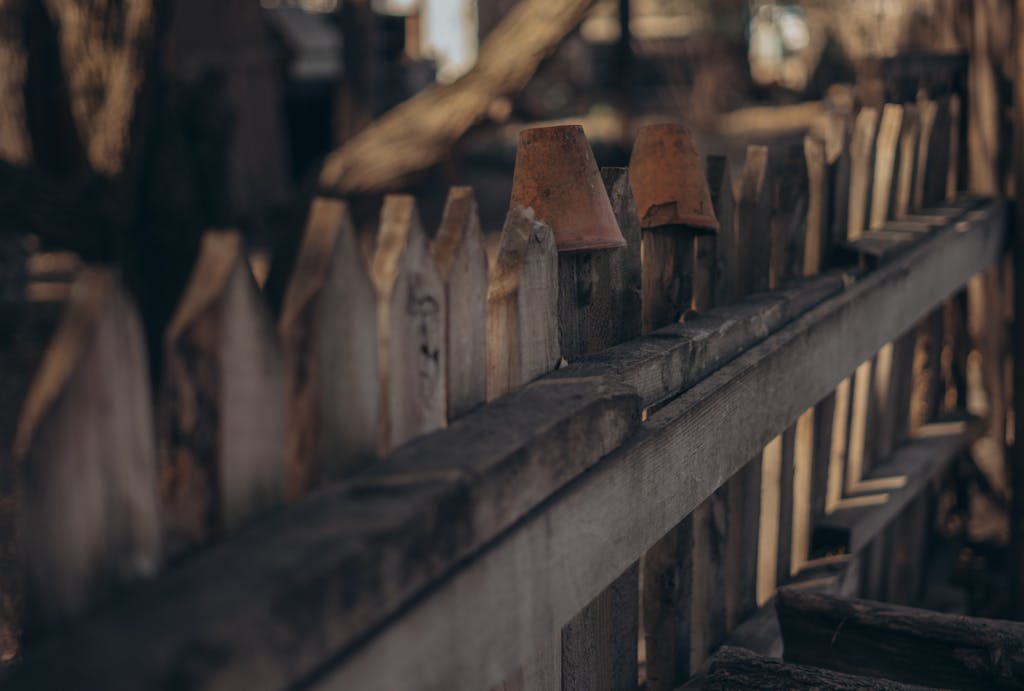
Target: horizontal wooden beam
x,y
483,621
336,588
736,668
910,468
905,644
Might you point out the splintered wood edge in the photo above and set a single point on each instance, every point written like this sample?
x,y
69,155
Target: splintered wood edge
x,y
459,220
89,293
520,223
328,218
220,251
399,224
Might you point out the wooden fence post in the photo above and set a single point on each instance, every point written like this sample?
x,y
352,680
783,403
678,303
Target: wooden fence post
x,y
1016,465
225,391
411,320
328,329
599,296
88,513
744,489
459,251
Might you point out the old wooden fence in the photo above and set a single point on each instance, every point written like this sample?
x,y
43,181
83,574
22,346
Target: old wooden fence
x,y
558,471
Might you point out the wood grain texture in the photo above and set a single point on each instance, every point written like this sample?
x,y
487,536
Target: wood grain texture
x,y
668,273
223,459
599,293
907,172
328,331
627,501
716,255
903,644
735,668
88,513
458,250
522,304
862,165
887,162
411,322
818,239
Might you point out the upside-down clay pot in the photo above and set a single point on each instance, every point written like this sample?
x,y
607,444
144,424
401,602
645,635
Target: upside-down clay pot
x,y
668,180
557,176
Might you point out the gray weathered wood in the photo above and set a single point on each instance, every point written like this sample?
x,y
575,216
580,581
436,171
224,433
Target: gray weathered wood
x,y
482,620
522,305
753,217
88,513
719,250
327,328
223,459
598,296
458,250
904,644
736,668
411,321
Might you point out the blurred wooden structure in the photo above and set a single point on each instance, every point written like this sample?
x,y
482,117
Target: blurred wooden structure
x,y
615,488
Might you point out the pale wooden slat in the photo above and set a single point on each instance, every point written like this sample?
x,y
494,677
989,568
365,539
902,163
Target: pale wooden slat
x,y
88,513
224,456
459,251
327,328
627,502
927,112
522,304
411,321
862,163
906,179
887,162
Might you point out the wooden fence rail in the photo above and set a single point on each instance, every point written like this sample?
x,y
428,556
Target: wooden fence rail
x,y
504,476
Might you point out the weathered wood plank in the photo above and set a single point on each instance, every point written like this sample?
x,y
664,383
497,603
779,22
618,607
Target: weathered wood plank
x,y
903,644
327,327
411,322
522,305
716,254
458,250
487,629
753,217
862,165
887,162
225,393
88,513
736,668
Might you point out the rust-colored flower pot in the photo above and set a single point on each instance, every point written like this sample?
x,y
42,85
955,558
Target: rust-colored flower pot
x,y
557,176
668,180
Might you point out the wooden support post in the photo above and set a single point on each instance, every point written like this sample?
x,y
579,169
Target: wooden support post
x,y
725,243
983,106
743,490
224,401
88,515
411,323
459,252
330,344
908,645
598,295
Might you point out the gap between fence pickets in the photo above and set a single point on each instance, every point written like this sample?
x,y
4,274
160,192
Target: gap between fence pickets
x,y
562,556
534,564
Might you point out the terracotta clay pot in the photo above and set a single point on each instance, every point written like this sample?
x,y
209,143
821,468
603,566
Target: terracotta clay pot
x,y
557,176
668,180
